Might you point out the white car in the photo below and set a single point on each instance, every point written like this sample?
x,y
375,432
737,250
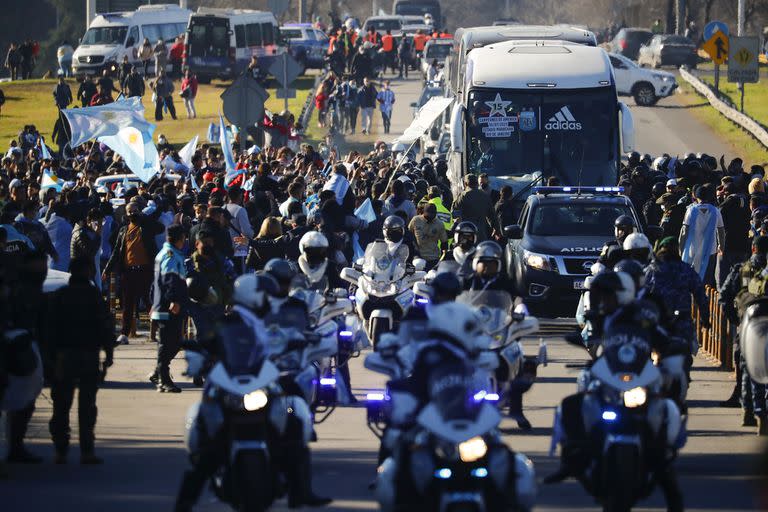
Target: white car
x,y
647,86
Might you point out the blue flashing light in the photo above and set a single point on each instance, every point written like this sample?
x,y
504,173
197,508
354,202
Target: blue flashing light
x,y
484,395
421,300
375,397
609,416
480,395
492,397
327,381
352,298
345,334
578,190
443,473
479,472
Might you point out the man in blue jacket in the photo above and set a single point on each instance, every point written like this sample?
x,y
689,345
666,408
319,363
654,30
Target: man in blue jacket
x,y
169,305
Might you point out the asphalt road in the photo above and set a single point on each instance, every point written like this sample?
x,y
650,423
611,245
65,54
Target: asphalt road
x,y
140,432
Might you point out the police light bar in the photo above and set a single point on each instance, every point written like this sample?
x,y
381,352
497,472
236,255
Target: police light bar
x,y
578,190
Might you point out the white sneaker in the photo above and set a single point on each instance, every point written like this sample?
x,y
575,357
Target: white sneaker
x,y
122,339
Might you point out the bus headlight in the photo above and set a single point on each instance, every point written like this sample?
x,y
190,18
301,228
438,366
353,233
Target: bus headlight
x,y
255,400
635,397
472,449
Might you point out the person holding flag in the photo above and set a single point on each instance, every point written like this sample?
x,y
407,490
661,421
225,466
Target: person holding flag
x,y
703,234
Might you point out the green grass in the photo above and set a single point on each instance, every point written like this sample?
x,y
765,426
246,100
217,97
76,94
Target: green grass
x,y
31,102
744,144
755,96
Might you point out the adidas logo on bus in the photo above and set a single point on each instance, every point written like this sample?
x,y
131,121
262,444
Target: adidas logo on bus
x,y
562,120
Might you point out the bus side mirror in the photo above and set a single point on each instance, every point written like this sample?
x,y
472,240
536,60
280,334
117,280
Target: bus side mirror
x,y
627,129
457,136
513,232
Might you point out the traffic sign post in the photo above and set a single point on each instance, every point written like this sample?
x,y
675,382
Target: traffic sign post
x,y
743,64
243,104
285,70
716,45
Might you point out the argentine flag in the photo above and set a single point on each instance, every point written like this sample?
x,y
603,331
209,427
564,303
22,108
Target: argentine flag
x,y
137,149
106,120
226,150
50,180
45,154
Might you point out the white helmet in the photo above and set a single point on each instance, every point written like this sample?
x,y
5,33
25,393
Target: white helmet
x,y
639,247
455,322
313,242
251,291
398,147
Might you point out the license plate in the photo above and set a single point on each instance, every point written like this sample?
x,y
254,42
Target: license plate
x,y
578,285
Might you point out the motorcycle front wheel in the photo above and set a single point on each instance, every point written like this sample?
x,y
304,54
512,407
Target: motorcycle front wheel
x,y
254,481
620,470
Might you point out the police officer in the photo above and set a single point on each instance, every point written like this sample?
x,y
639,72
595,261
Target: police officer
x,y
464,240
488,271
623,226
84,327
169,305
396,235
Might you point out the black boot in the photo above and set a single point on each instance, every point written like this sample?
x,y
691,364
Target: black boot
x,y
17,422
672,494
733,401
516,410
166,384
189,492
300,484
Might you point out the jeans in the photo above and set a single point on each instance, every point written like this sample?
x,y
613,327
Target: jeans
x,y
189,104
65,66
352,118
753,395
367,118
135,283
145,63
168,102
386,119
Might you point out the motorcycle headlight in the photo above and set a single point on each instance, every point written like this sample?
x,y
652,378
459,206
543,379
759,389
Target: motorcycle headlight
x,y
472,449
380,288
537,261
635,397
255,400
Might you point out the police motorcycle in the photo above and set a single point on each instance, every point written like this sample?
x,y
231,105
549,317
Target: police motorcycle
x,y
505,323
619,435
232,434
331,312
445,450
753,338
383,282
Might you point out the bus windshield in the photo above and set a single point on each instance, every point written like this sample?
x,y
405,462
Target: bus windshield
x,y
570,134
105,35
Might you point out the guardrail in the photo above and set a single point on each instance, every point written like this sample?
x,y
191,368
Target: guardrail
x,y
742,120
309,105
717,340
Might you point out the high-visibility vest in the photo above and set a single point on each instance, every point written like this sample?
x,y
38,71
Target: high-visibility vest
x,y
419,40
387,43
443,214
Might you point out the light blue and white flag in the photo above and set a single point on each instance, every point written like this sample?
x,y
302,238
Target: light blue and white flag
x,y
213,133
226,150
44,153
363,212
187,152
92,122
50,180
137,149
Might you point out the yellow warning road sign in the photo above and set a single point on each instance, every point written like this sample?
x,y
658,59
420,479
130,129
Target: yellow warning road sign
x,y
743,63
717,47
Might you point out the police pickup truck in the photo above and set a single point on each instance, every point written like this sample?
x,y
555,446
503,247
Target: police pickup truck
x,y
559,237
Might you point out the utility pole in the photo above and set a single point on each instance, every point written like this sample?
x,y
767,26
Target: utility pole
x,y
90,12
183,4
680,18
302,11
740,21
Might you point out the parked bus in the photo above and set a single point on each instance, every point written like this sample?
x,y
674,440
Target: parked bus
x,y
111,36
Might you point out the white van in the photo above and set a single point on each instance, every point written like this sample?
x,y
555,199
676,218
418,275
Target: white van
x,y
113,35
251,34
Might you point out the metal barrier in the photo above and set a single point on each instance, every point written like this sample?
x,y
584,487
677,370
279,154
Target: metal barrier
x,y
717,340
743,121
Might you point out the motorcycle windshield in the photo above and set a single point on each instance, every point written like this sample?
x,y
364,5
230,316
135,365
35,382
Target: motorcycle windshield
x,y
452,392
241,353
381,266
493,306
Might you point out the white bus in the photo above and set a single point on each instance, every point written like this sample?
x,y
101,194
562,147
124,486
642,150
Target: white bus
x,y
111,36
534,109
